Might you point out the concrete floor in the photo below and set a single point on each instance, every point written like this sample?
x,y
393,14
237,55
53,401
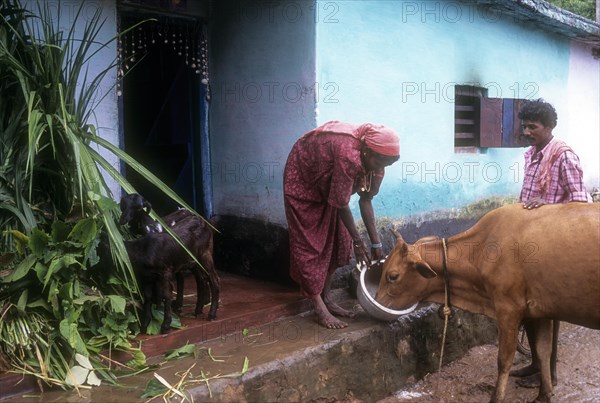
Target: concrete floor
x,y
290,357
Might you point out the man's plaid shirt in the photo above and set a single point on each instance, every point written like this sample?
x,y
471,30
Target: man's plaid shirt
x,y
566,178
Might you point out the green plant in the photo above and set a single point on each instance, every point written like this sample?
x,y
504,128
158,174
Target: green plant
x,y
55,303
585,8
54,200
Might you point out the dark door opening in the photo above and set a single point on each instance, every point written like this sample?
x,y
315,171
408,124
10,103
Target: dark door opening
x,y
161,96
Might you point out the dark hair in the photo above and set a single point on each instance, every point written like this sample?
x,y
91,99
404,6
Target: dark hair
x,y
539,110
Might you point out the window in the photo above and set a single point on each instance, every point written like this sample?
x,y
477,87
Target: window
x,y
482,122
467,115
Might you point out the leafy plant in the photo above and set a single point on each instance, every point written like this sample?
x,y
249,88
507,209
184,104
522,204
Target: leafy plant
x,y
585,8
55,302
53,307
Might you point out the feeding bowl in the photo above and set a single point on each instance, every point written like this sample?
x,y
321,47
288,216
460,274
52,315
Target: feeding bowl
x,y
366,290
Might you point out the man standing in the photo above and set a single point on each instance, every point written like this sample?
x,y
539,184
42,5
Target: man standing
x,y
552,175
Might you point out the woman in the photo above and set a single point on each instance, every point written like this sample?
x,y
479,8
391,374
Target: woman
x,y
325,167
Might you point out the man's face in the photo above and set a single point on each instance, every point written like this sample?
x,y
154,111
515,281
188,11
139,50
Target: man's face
x,y
535,132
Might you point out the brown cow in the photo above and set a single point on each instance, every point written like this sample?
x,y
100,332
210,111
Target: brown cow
x,y
513,264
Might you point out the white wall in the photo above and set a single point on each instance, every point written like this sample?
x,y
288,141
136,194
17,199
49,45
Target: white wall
x,y
105,117
581,126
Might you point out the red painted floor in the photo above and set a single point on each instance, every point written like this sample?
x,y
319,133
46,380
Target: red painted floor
x,y
244,303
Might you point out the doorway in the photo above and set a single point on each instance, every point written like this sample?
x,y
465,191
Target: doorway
x,y
162,99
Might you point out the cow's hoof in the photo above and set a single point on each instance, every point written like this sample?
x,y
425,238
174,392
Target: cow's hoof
x,y
165,330
212,317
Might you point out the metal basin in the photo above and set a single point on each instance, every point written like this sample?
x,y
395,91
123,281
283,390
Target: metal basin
x,y
367,289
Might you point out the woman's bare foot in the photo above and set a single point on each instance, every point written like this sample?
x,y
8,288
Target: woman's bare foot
x,y
338,310
324,317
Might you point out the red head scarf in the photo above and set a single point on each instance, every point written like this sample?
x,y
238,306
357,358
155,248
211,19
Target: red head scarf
x,y
378,138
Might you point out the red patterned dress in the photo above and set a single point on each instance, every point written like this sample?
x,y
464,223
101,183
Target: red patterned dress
x,y
322,172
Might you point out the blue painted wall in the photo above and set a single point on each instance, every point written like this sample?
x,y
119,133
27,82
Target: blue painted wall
x,y
262,98
396,63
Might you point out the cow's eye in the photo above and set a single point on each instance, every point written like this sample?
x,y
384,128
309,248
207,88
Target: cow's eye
x,y
392,277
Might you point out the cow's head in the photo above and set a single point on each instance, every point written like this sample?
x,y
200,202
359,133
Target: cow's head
x,y
405,275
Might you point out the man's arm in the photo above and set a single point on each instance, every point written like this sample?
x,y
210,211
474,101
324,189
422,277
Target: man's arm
x,y
571,178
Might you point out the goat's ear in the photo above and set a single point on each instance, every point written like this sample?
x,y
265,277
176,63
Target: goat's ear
x,y
425,270
147,206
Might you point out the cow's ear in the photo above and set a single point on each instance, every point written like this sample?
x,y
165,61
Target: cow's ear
x,y
403,248
425,270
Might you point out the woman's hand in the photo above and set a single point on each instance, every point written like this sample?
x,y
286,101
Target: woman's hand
x,y
361,253
377,254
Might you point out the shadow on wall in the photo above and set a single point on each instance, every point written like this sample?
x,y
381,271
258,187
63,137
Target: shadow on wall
x,y
259,249
252,248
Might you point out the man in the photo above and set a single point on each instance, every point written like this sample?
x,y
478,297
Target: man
x,y
324,168
552,175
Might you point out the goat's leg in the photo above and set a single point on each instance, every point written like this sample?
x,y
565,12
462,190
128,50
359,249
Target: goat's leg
x,y
200,289
214,284
178,303
167,297
146,308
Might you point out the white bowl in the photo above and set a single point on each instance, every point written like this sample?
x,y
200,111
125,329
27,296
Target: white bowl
x,y
366,290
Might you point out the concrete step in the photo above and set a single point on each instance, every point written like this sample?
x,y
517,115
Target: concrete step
x,y
294,359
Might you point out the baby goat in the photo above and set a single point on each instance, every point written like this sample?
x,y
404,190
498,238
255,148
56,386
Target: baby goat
x,y
195,234
135,211
157,257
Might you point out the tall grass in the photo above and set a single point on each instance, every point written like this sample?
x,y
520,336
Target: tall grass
x,y
54,200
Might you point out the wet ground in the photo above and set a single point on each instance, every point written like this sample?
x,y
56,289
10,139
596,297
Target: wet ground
x,y
293,359
472,378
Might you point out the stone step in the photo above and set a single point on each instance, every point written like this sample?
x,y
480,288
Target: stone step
x,y
294,359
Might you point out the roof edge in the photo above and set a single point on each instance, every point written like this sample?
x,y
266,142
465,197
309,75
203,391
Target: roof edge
x,y
549,17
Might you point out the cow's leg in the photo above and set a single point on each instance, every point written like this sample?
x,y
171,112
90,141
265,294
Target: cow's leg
x,y
543,347
508,330
554,356
532,368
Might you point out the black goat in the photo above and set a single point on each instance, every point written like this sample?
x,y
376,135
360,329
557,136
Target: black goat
x,y
135,211
157,257
195,234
